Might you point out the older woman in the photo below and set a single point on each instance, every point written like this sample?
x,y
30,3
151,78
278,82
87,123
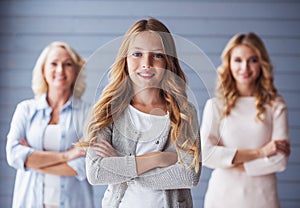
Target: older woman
x,y
50,172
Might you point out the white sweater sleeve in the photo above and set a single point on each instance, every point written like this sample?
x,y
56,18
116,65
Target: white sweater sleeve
x,y
280,130
214,155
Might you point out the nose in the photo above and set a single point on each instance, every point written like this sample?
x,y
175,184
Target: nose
x,y
245,65
147,61
59,67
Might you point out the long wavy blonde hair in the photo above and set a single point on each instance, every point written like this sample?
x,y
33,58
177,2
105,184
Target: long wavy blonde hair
x,y
265,92
39,84
118,93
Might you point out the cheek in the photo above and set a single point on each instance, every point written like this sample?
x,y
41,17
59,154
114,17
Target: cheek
x,y
131,65
233,69
257,73
72,72
161,64
46,73
233,65
73,77
256,70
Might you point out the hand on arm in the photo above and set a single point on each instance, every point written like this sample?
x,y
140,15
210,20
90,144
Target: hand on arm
x,y
276,146
104,149
153,160
52,162
271,148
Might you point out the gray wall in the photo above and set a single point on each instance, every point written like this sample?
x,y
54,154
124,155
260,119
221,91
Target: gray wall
x,y
28,26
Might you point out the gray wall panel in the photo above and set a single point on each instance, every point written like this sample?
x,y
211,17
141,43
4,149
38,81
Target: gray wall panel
x,y
28,26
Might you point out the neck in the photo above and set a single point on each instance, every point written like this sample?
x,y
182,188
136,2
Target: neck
x,y
149,101
147,96
57,99
246,91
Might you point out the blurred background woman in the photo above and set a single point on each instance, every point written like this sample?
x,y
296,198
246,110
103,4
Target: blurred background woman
x,y
50,172
245,129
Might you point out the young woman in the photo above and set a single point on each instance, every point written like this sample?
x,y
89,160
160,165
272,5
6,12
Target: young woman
x,y
50,172
144,133
245,129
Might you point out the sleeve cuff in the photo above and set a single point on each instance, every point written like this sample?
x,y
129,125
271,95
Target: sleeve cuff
x,y
219,156
78,165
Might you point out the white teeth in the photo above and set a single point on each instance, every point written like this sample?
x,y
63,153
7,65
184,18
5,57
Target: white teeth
x,y
59,77
146,74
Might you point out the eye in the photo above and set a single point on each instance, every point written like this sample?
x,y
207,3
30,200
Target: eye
x,y
253,60
53,64
137,54
158,55
237,59
68,64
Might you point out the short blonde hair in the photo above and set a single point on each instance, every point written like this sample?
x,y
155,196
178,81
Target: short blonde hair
x,y
39,84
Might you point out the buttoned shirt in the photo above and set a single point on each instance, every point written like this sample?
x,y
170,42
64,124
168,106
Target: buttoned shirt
x,y
30,120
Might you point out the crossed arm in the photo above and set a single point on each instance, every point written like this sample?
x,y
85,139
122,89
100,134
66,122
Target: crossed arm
x,y
144,162
51,162
271,148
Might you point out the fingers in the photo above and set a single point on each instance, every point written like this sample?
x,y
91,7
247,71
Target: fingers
x,y
104,149
283,146
75,152
276,146
82,152
23,142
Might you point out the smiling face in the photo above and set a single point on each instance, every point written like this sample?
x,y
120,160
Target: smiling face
x,y
59,70
245,68
146,62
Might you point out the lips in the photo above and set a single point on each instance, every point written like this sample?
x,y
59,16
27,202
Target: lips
x,y
146,74
246,75
60,78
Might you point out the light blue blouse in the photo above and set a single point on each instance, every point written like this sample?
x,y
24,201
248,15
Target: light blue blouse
x,y
30,120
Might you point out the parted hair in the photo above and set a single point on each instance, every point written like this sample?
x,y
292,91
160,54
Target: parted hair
x,y
118,94
265,91
39,84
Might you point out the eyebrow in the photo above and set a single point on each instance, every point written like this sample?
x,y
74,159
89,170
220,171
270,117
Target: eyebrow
x,y
138,48
66,60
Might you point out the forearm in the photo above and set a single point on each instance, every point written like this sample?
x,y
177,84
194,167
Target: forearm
x,y
246,155
62,169
271,148
172,176
42,159
147,162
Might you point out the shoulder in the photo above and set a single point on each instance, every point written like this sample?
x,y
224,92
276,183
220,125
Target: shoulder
x,y
278,105
279,102
213,103
28,104
26,108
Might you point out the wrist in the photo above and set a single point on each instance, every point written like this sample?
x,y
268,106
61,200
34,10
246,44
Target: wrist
x,y
260,153
64,156
147,162
158,159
